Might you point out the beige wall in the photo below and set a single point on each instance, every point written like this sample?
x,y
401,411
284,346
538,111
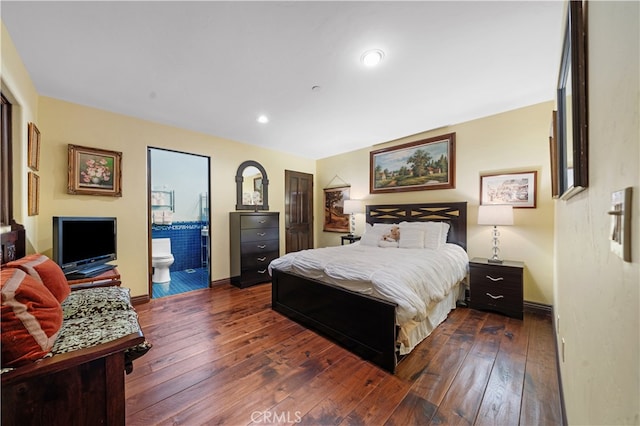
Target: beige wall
x,y
513,141
597,294
62,123
22,94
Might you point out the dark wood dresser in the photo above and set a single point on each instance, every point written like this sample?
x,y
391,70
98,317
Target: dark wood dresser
x,y
255,242
497,287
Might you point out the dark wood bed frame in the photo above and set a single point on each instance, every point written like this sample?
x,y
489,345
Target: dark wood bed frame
x,y
363,324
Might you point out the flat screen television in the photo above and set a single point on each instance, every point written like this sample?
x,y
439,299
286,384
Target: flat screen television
x,y
82,246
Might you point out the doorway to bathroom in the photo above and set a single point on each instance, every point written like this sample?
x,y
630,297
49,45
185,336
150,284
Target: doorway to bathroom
x,y
179,220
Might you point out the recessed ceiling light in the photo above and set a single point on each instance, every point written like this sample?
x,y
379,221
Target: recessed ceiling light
x,y
263,119
371,58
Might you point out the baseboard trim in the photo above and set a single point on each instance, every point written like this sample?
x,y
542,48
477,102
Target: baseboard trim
x,y
223,281
558,355
537,308
139,300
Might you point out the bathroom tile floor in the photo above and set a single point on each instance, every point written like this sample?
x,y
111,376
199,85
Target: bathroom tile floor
x,y
183,281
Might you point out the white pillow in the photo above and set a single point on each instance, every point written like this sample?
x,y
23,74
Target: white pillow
x,y
411,238
370,239
444,232
383,228
435,233
371,235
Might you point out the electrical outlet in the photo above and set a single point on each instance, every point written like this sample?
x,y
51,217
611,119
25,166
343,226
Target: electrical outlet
x,y
563,343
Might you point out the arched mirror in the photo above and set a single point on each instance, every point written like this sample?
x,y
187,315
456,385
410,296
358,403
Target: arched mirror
x,y
252,187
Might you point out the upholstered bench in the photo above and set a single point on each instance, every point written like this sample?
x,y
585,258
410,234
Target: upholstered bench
x,y
64,354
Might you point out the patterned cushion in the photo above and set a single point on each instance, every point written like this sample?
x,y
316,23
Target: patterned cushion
x,y
45,270
92,301
84,332
31,318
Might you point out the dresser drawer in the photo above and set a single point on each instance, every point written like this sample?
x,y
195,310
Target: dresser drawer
x,y
498,276
258,247
259,234
258,260
253,277
259,221
505,299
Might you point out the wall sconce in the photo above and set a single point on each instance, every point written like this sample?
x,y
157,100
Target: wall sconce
x,y
495,215
352,207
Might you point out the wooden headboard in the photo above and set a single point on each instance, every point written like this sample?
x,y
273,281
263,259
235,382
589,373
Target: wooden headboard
x,y
455,214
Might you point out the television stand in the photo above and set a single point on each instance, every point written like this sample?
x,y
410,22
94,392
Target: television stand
x,y
107,278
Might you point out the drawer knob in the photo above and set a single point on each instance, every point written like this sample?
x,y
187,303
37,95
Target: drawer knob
x,y
495,279
261,234
495,297
262,259
261,246
262,271
262,221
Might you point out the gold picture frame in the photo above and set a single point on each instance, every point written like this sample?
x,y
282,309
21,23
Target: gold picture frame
x,y
415,166
33,147
33,189
94,171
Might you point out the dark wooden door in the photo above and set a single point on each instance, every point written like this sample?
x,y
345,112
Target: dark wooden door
x,y
298,205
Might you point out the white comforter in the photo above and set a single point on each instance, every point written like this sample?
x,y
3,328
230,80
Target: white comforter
x,y
412,278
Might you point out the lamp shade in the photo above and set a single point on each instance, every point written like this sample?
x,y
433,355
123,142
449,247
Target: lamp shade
x,y
495,215
352,206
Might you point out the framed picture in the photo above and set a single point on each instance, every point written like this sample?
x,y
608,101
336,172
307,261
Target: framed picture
x,y
33,147
415,166
33,190
334,218
553,152
572,104
94,171
515,189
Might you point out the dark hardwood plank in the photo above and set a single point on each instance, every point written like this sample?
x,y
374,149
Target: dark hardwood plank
x,y
541,395
222,356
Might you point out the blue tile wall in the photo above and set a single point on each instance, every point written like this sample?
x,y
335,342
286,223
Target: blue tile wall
x,y
186,243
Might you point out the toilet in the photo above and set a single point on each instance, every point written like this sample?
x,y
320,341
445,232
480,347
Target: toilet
x,y
161,259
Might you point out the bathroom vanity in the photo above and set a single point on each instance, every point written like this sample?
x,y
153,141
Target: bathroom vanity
x,y
254,243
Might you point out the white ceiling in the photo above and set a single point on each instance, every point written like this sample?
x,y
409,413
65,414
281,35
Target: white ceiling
x,y
214,66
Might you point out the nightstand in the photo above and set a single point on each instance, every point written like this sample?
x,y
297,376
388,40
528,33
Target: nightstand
x,y
351,238
497,286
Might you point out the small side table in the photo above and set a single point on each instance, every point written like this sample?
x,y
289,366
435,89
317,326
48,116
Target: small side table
x,y
497,287
351,238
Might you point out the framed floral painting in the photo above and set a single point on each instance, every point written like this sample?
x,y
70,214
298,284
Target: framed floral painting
x,y
33,147
94,171
33,190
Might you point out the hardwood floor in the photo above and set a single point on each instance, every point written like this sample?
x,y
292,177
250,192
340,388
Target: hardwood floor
x,y
222,356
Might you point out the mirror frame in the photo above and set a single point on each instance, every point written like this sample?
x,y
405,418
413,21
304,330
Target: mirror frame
x,y
265,187
573,61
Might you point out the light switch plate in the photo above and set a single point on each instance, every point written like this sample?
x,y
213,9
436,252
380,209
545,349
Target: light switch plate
x,y
620,212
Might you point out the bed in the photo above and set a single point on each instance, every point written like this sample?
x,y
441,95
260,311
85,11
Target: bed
x,y
365,322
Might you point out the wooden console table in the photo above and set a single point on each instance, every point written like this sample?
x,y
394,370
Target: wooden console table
x,y
108,278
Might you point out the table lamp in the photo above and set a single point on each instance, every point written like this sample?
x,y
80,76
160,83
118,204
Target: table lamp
x,y
352,207
495,215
